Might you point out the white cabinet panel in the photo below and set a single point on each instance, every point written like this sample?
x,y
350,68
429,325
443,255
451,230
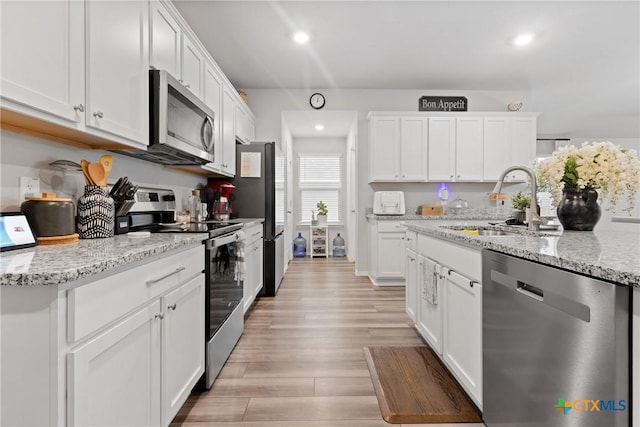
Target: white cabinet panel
x,y
182,344
212,92
411,284
430,311
496,143
165,41
117,64
228,157
413,149
463,331
441,148
43,56
192,66
391,255
384,137
113,379
469,151
523,139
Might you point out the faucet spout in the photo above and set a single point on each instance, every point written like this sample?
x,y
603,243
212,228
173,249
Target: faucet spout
x,y
534,220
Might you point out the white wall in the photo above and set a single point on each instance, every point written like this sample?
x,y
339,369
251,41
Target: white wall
x,y
22,155
268,105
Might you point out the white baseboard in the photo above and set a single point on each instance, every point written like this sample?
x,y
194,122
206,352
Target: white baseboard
x,y
362,273
384,283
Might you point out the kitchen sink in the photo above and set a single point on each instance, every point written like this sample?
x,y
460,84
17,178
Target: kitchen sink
x,y
483,231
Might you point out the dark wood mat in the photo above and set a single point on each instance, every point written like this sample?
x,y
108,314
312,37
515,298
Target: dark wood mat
x,y
413,387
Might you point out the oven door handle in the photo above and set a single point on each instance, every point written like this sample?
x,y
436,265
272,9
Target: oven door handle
x,y
221,241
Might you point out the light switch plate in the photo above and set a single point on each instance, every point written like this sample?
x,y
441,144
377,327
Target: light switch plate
x,y
29,186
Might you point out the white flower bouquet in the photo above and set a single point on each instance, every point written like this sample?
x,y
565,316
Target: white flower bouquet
x,y
601,166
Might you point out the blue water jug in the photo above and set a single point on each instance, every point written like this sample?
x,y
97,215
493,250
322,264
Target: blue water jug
x,y
338,246
299,246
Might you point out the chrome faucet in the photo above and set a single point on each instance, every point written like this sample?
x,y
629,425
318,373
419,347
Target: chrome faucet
x,y
534,219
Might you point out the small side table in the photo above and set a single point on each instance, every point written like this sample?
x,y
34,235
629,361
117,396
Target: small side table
x,y
318,242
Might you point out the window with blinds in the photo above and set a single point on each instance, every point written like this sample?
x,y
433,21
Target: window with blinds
x,y
320,178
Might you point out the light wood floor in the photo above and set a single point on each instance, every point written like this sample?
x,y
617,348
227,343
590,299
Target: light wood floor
x,y
299,362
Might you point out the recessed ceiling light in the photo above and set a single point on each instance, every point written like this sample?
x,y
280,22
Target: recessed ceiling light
x,y
319,127
523,39
301,37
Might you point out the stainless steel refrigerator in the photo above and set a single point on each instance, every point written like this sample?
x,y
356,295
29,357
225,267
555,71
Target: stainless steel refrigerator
x,y
259,193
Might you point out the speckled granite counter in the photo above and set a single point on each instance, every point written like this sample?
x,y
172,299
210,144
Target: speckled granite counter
x,y
610,255
57,264
477,214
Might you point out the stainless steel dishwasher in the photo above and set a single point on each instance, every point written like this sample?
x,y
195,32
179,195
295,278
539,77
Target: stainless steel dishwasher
x,y
554,344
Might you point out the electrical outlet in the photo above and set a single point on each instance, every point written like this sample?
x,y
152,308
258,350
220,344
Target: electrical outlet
x,y
29,186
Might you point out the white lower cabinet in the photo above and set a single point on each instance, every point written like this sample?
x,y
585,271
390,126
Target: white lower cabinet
x,y
122,349
430,311
113,379
182,328
411,284
253,255
386,252
462,323
449,309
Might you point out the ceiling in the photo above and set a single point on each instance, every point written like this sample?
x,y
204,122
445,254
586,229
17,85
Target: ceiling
x,y
588,51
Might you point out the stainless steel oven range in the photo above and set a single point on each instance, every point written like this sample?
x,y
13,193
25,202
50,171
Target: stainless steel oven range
x,y
224,319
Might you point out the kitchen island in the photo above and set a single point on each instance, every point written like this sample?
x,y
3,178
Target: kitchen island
x,y
451,319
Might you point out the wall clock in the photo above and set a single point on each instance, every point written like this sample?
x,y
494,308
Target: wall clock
x,y
317,101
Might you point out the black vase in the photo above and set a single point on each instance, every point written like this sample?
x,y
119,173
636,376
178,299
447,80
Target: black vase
x,y
579,209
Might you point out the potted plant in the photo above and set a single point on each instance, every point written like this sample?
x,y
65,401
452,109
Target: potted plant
x,y
322,214
520,202
578,177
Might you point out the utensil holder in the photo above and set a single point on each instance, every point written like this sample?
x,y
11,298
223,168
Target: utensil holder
x,y
96,213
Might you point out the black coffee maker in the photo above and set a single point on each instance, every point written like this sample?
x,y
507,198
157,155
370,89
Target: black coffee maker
x,y
218,195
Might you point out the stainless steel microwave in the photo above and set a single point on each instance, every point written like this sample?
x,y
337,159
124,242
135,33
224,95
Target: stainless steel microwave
x,y
182,127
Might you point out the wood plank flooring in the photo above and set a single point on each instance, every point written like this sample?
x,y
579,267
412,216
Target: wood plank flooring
x,y
300,361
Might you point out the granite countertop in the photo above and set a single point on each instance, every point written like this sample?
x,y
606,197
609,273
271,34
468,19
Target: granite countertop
x,y
610,255
248,221
57,264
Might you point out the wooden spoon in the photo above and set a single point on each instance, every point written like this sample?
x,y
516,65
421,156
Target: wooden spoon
x,y
85,171
98,174
107,161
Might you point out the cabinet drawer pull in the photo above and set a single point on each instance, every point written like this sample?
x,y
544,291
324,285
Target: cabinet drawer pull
x,y
98,114
159,316
176,271
172,306
79,108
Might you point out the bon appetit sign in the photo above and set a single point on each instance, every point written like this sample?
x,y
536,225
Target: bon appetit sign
x,y
442,103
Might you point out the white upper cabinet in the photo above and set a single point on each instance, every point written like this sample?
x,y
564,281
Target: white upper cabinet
x,y
245,125
50,34
455,148
117,77
212,93
468,157
508,141
192,66
383,142
442,140
228,145
417,147
165,41
398,149
413,149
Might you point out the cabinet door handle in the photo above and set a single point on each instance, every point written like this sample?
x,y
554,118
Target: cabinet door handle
x,y
79,108
172,306
187,85
176,271
471,283
98,114
181,81
159,316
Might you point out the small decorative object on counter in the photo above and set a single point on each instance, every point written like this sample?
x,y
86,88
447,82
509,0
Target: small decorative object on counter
x,y
96,213
338,246
514,106
299,246
51,218
520,202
